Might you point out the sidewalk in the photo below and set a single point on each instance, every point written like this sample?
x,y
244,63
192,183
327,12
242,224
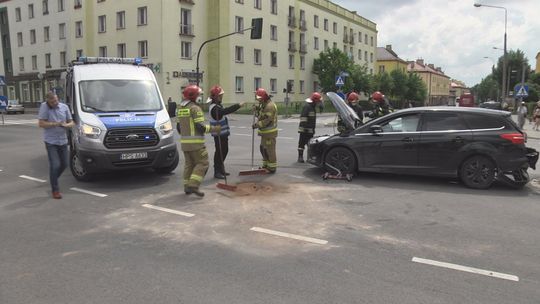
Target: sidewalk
x,y
531,134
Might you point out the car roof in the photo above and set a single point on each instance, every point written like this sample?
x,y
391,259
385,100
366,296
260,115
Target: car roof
x,y
455,110
101,71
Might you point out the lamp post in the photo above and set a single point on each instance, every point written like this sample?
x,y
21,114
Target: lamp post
x,y
505,53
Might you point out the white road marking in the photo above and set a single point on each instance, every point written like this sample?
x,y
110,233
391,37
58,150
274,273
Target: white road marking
x,y
32,178
1,170
488,273
296,176
21,122
284,137
89,192
241,134
169,210
291,236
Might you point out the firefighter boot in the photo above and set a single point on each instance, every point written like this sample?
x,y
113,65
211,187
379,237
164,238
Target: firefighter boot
x,y
300,156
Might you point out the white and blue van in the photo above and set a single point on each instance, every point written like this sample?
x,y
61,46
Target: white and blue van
x,y
121,121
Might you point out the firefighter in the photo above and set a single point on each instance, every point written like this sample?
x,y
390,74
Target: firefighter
x,y
217,116
192,129
308,120
381,105
353,102
266,113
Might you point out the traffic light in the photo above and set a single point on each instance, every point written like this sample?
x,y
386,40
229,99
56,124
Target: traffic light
x,y
256,28
289,86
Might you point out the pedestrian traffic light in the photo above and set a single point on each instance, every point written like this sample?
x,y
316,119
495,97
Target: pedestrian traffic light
x,y
256,28
289,86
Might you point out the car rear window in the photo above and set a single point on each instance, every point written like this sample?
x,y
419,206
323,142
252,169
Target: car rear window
x,y
442,122
482,121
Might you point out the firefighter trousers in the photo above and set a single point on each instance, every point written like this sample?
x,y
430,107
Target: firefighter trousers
x,y
268,152
303,141
195,167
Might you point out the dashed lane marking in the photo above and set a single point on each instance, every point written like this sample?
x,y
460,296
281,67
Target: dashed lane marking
x,y
89,192
168,210
32,178
488,273
289,235
31,122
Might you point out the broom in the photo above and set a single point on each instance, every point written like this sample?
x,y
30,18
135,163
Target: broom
x,y
220,185
253,171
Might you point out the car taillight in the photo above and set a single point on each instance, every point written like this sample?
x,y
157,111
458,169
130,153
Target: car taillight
x,y
515,138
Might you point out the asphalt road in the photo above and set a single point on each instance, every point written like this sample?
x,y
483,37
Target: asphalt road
x,y
377,239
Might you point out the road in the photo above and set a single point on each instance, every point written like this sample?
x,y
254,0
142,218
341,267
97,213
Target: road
x,y
134,237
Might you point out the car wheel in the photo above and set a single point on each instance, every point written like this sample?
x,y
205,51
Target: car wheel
x,y
170,168
342,159
477,172
78,169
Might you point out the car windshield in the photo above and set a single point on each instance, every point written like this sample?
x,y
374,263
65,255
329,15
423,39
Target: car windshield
x,y
119,96
13,102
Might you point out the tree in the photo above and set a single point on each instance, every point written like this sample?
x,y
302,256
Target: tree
x,y
398,92
487,89
516,62
362,81
417,90
329,65
384,83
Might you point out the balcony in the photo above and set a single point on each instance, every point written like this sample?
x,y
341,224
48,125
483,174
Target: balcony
x,y
303,48
291,21
187,1
303,26
292,47
186,30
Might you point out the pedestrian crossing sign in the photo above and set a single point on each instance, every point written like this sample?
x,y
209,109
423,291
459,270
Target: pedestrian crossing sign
x,y
522,91
339,81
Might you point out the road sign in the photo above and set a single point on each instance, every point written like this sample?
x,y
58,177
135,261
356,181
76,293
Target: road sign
x,y
521,91
339,81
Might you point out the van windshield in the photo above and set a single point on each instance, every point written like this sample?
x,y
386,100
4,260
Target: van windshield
x,y
119,96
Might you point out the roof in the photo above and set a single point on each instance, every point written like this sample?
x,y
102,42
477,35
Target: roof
x,y
414,66
388,55
100,71
456,109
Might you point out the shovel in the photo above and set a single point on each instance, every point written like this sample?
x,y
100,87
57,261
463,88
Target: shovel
x,y
253,171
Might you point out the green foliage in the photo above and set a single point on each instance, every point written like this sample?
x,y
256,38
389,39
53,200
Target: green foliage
x,y
534,91
487,89
329,64
399,91
417,90
516,62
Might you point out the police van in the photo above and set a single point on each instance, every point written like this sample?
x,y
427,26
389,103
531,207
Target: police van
x,y
121,121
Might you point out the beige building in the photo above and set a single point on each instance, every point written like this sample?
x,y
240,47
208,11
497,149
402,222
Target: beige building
x,y
167,35
457,88
437,83
388,60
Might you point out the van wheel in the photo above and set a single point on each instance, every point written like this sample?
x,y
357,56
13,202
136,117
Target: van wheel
x,y
477,172
170,168
342,159
78,169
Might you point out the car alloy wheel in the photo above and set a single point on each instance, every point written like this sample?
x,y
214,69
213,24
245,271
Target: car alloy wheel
x,y
342,159
78,169
477,172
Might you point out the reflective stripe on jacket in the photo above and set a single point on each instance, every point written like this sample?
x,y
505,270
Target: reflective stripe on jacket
x,y
267,119
308,119
224,122
192,127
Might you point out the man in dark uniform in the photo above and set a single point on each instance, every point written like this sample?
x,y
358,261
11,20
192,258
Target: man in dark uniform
x,y
308,120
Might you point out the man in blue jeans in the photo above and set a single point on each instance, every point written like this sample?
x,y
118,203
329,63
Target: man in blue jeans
x,y
55,118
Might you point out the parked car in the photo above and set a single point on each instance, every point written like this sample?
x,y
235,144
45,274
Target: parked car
x,y
477,145
14,106
494,105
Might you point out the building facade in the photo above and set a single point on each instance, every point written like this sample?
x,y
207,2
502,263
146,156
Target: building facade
x,y
388,61
437,83
43,36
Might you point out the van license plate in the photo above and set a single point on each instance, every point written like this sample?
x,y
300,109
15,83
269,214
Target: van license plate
x,y
135,155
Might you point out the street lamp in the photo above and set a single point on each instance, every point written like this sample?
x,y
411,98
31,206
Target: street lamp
x,y
505,53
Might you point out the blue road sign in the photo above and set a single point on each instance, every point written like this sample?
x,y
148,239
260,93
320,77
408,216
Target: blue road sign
x,y
3,103
339,81
521,90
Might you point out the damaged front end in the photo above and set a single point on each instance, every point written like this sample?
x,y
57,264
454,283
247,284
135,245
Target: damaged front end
x,y
520,177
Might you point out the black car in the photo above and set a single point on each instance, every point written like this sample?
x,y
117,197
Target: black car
x,y
477,145
494,105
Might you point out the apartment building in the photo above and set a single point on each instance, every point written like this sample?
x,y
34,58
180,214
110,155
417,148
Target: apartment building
x,y
437,83
43,36
388,60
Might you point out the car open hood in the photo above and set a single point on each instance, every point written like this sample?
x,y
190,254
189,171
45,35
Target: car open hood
x,y
347,114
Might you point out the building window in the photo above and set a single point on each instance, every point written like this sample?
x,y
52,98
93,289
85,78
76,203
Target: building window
x,y
239,1
359,54
257,4
239,84
120,20
238,24
19,39
102,51
239,54
143,49
302,87
335,45
359,36
5,41
121,50
45,7
381,69
63,60
32,36
30,11
25,92
185,50
79,53
142,16
273,59
325,24
365,39
61,5
371,39
316,43
185,22
78,3
365,56
257,57
371,57
78,29
291,61
316,21
34,62
21,63
302,63
257,83
48,60
273,32
290,83
8,66
102,24
273,7
18,14
325,45
334,28
273,85
46,34
62,30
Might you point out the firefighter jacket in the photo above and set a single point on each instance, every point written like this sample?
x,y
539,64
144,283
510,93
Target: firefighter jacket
x,y
192,128
216,116
308,119
267,123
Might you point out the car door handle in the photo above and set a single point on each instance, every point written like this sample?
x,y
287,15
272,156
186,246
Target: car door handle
x,y
407,139
458,140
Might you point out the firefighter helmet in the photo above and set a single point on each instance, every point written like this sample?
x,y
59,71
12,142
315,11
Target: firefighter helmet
x,y
191,92
315,97
377,97
353,96
261,95
215,91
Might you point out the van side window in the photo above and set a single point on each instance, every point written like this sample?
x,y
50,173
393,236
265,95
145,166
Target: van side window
x,y
442,122
479,121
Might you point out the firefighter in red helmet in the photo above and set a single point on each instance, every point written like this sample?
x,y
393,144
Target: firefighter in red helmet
x,y
381,106
266,124
308,120
192,129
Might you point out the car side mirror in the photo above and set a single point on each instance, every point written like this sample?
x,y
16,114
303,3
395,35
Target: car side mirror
x,y
376,129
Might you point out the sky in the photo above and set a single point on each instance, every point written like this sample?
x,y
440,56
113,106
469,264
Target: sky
x,y
453,34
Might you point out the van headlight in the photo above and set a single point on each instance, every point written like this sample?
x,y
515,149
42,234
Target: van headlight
x,y
91,131
165,128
